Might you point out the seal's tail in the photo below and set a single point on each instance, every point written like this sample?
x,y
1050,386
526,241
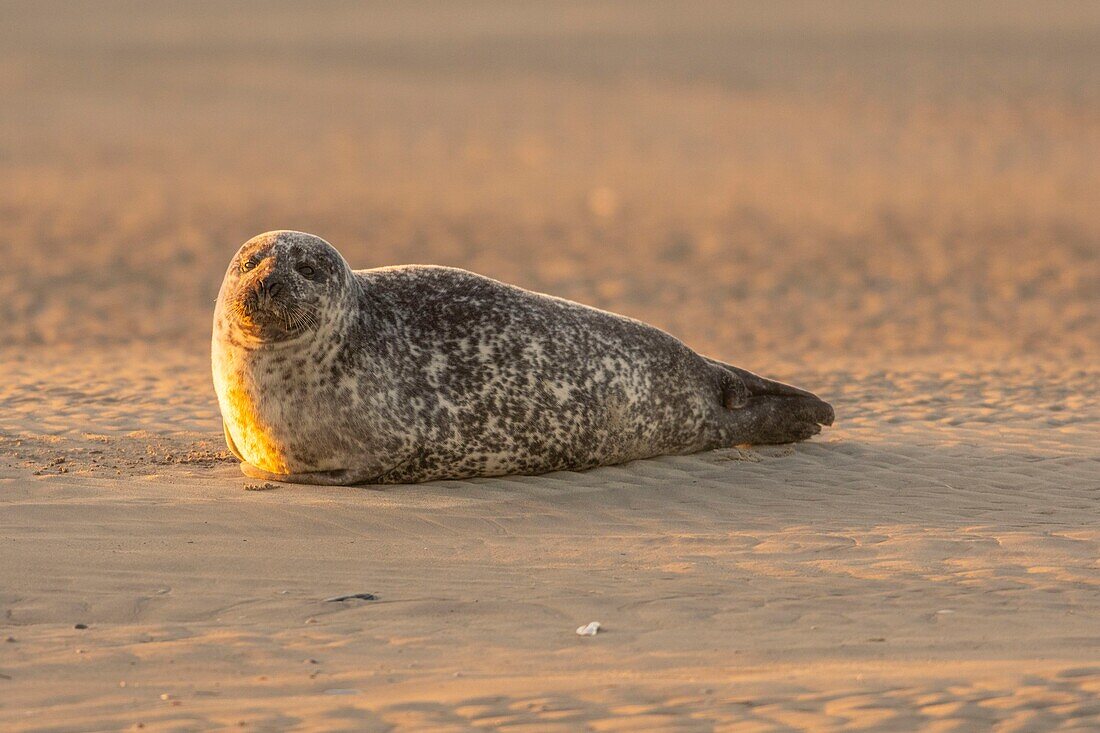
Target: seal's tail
x,y
762,411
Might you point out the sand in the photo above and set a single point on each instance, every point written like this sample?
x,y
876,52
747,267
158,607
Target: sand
x,y
894,209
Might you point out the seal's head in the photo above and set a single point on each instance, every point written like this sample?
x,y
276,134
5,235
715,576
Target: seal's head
x,y
281,286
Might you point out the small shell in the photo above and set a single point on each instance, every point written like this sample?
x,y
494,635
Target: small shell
x,y
588,629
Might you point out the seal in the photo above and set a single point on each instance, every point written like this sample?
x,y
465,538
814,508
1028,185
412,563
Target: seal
x,y
326,375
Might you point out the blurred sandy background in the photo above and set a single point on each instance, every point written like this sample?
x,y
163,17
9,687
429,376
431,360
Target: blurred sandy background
x,y
893,204
817,178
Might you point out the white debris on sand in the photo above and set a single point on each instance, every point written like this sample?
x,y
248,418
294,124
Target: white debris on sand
x,y
588,629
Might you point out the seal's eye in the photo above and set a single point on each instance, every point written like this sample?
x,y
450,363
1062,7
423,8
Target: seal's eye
x,y
306,271
248,264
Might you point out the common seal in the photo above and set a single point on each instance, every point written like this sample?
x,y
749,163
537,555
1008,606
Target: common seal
x,y
327,375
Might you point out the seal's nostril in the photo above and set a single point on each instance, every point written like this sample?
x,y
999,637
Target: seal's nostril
x,y
273,289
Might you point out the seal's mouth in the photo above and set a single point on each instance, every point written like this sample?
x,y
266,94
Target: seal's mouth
x,y
268,315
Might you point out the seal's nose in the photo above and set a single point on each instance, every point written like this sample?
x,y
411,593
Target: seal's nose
x,y
273,288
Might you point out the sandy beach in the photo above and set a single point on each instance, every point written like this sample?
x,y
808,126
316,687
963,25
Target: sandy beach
x,y
893,208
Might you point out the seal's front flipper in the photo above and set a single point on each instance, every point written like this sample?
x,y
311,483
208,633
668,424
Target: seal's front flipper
x,y
762,411
229,442
318,478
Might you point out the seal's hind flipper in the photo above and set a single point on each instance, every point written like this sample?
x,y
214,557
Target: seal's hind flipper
x,y
772,412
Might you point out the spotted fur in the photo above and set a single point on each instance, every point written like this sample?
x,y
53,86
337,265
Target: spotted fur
x,y
414,373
